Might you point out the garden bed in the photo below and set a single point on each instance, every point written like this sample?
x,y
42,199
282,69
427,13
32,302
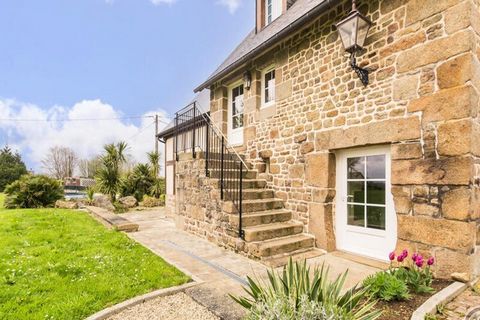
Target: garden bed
x,y
403,310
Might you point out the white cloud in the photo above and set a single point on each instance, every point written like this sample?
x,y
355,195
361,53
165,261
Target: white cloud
x,y
232,5
159,2
33,139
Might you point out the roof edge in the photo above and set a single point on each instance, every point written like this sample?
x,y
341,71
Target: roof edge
x,y
294,26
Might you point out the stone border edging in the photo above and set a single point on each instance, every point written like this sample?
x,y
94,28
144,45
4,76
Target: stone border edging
x,y
444,296
113,310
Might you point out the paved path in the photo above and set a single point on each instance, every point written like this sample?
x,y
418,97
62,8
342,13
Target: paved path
x,y
463,304
221,271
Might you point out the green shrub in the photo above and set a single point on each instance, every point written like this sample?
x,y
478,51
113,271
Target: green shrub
x,y
90,195
33,191
137,183
151,202
119,208
386,286
418,280
294,294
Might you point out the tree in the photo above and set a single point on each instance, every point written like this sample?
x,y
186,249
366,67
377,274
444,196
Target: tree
x,y
89,167
60,162
154,159
11,167
139,182
109,176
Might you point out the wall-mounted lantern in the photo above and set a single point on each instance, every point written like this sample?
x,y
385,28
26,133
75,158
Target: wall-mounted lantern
x,y
247,80
353,31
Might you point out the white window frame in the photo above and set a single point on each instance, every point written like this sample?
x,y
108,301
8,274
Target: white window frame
x,y
276,11
264,87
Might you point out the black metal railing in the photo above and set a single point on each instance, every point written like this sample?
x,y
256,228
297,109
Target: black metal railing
x,y
194,132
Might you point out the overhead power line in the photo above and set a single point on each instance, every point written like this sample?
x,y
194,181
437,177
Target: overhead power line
x,y
79,119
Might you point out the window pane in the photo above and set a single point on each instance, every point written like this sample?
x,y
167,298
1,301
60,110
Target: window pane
x,y
356,215
376,192
376,167
237,121
237,105
356,191
376,218
356,168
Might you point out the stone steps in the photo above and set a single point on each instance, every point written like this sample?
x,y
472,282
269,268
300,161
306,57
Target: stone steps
x,y
283,245
256,194
249,206
250,174
261,218
246,184
271,231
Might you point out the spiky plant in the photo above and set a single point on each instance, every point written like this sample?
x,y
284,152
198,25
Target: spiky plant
x,y
296,284
109,176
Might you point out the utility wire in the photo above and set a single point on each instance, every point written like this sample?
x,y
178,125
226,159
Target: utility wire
x,y
141,131
80,119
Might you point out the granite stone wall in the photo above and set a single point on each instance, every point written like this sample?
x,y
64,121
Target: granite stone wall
x,y
422,100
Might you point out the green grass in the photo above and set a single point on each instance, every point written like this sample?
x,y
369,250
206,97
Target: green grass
x,y
62,264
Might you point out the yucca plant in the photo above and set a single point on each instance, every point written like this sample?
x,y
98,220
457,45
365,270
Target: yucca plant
x,y
295,284
90,193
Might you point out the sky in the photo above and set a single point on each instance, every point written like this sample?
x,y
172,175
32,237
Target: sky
x,y
82,60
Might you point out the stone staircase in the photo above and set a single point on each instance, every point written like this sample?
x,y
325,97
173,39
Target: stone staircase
x,y
270,233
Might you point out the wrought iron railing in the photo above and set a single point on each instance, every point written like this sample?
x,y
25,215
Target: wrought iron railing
x,y
196,132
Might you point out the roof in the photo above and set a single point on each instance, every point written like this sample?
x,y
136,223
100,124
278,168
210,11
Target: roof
x,y
254,43
202,102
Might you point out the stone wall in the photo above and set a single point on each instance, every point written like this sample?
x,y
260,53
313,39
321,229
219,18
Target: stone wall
x,y
198,207
423,99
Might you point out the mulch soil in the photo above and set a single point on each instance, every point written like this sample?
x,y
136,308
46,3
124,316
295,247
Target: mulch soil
x,y
403,310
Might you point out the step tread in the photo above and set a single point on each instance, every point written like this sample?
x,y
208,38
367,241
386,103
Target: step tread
x,y
283,240
267,200
267,213
273,226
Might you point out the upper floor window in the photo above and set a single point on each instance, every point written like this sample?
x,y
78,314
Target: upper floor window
x,y
273,9
268,87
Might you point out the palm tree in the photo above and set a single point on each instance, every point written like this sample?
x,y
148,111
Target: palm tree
x,y
154,159
109,176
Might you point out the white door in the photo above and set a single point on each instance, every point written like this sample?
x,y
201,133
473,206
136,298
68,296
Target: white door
x,y
365,217
235,115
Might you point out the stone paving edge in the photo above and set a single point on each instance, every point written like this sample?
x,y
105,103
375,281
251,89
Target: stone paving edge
x,y
113,310
444,296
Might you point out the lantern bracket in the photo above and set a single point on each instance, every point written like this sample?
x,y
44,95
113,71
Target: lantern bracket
x,y
361,72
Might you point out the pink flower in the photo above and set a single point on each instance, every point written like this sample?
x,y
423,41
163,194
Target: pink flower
x,y
391,256
415,256
405,253
431,261
419,262
400,258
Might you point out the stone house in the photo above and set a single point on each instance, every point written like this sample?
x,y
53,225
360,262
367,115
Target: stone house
x,y
328,163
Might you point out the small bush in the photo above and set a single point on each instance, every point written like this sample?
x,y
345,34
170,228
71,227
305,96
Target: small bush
x,y
151,202
119,207
386,286
33,191
294,294
90,192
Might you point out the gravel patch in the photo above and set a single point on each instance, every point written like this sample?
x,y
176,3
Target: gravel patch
x,y
175,307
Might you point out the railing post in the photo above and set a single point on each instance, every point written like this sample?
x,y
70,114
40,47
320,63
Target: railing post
x,y
176,136
221,168
193,132
207,149
240,228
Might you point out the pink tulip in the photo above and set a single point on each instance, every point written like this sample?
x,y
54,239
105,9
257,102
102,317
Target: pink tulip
x,y
405,253
419,262
391,256
400,258
431,261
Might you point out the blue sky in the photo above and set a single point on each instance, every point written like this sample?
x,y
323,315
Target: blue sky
x,y
68,58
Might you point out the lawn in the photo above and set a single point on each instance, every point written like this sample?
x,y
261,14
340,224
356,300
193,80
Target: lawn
x,y
62,264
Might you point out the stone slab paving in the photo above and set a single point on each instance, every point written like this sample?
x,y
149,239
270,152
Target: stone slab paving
x,y
460,307
222,271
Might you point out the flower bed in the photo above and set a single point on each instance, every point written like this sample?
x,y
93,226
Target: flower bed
x,y
405,286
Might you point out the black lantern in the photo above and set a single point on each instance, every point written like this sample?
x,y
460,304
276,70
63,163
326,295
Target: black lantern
x,y
247,80
353,31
